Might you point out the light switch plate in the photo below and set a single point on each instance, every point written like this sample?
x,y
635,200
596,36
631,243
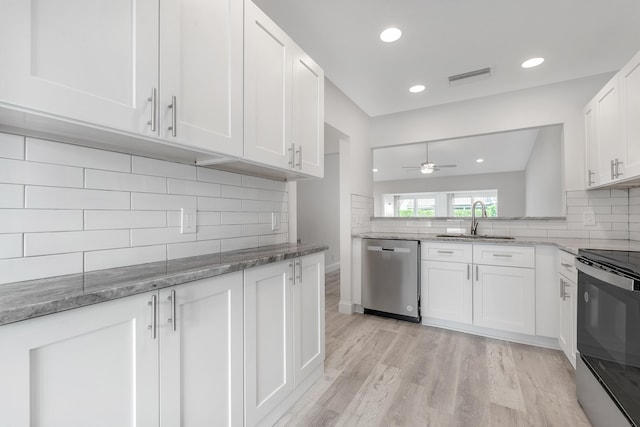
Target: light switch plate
x,y
589,218
275,221
188,219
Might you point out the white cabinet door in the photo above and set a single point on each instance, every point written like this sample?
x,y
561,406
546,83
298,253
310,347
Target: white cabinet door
x,y
201,59
504,298
95,61
308,315
567,320
308,114
93,366
591,146
610,146
447,291
201,353
267,90
268,309
630,108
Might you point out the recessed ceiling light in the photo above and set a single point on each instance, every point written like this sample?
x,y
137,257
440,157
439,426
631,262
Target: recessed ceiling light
x,y
479,160
533,62
390,35
375,170
417,88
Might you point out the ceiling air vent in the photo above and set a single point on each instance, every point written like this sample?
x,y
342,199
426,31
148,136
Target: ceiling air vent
x,y
470,77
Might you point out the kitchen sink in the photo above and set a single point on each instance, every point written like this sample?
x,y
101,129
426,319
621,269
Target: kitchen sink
x,y
474,236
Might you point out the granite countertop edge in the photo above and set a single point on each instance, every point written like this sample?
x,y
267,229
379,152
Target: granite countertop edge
x,y
35,298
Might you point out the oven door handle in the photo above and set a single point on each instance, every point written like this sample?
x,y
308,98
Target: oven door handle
x,y
606,276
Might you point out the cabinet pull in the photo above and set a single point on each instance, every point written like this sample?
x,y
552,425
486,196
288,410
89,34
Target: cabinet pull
x,y
293,273
299,164
173,319
468,271
565,265
613,166
445,252
154,109
153,326
618,173
291,155
477,274
174,116
299,267
503,255
561,288
591,181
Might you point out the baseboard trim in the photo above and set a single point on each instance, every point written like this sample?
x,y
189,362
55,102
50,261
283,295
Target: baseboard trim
x,y
345,307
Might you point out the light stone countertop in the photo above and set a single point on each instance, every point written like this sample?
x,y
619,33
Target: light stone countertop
x,y
569,245
34,298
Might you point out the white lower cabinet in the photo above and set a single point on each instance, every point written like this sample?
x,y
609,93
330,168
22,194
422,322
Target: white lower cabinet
x,y
567,279
284,333
121,363
504,298
447,291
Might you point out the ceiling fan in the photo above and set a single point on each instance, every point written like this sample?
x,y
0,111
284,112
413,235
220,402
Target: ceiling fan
x,y
427,167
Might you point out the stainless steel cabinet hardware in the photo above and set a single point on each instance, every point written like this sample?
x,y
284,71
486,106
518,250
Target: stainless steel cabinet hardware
x,y
174,116
468,271
299,269
503,255
477,274
590,180
299,164
173,319
618,173
291,155
445,252
292,278
561,287
565,265
154,109
613,167
154,326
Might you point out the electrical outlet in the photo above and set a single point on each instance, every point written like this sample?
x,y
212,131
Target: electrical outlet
x,y
589,218
188,219
275,221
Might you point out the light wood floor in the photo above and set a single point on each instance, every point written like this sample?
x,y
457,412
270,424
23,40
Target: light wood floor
x,y
384,372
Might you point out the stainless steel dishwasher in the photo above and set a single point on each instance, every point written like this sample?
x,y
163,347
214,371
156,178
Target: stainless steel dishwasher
x,y
391,278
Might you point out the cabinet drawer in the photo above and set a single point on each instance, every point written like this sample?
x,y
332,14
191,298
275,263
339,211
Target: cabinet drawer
x,y
567,266
443,251
512,256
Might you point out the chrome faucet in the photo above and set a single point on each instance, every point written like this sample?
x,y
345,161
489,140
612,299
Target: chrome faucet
x,y
474,221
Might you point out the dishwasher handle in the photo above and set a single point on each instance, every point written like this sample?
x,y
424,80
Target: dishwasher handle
x,y
383,249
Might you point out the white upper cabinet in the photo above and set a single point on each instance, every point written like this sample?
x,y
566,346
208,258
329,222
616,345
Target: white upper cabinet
x,y
592,177
611,151
201,72
95,62
630,108
283,99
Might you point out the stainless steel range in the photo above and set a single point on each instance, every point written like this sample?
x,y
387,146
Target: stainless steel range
x,y
608,366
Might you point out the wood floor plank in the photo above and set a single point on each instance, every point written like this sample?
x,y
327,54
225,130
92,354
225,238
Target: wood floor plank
x,y
471,407
504,385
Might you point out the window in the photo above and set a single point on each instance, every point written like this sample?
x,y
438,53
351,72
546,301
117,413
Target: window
x,y
443,204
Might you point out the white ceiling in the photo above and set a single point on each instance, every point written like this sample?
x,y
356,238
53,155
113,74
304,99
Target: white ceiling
x,y
502,152
578,38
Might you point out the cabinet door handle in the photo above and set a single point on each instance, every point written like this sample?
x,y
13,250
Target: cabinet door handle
x,y
591,181
173,319
468,271
299,268
565,265
153,327
561,288
292,278
154,109
299,164
503,255
291,155
445,252
618,173
613,166
477,274
174,116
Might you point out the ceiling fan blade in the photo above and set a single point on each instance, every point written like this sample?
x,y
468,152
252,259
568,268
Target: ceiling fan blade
x,y
410,167
446,166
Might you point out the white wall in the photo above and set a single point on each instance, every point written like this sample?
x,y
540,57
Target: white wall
x,y
560,103
67,209
510,186
319,211
543,174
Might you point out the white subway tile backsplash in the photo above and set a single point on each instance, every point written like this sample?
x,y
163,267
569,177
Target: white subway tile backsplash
x,y
10,245
30,220
11,146
212,232
256,229
241,218
257,206
39,150
74,241
22,172
104,180
192,188
274,196
30,268
569,234
608,235
209,218
217,204
156,236
104,220
239,243
232,192
614,201
162,202
147,166
71,198
112,258
274,239
620,226
253,182
280,206
11,196
219,177
182,250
